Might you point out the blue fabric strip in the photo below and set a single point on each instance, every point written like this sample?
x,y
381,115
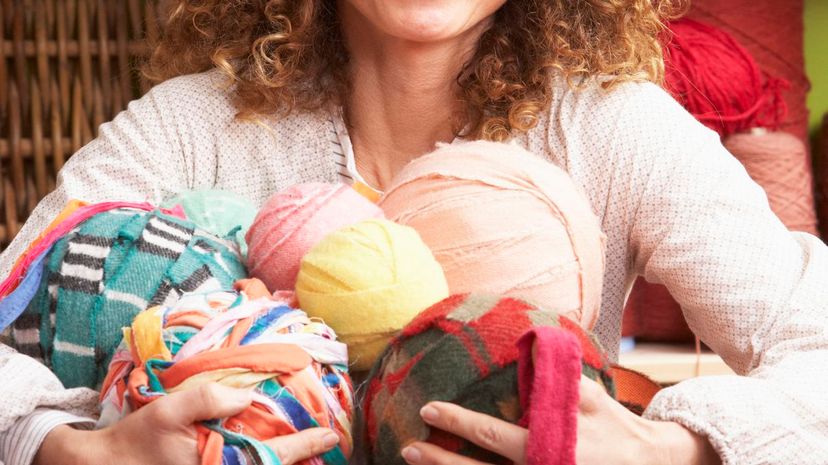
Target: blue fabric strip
x,y
264,453
230,455
15,303
263,323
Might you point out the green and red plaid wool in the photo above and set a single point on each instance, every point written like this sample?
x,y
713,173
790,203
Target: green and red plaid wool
x,y
461,350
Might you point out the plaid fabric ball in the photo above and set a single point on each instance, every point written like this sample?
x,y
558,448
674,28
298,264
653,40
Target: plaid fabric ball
x,y
461,350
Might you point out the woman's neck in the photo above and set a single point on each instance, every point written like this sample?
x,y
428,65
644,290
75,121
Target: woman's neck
x,y
403,97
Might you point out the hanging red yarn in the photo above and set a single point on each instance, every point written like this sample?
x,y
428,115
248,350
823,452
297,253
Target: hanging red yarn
x,y
718,81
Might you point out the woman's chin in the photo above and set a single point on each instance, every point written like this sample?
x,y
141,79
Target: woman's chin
x,y
426,21
432,25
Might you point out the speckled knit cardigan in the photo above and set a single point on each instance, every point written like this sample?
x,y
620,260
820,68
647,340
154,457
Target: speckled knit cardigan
x,y
675,205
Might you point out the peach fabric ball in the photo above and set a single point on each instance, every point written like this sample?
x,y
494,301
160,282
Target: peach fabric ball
x,y
294,220
500,220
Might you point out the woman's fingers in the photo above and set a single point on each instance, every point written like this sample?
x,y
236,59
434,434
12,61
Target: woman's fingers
x,y
423,453
498,436
303,445
208,401
180,410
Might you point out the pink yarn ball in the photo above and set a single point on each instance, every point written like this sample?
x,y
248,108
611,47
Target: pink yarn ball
x,y
502,221
292,221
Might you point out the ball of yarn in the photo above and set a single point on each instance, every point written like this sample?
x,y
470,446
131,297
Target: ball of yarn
x,y
779,162
112,266
717,80
461,350
367,281
773,32
502,221
247,340
294,220
218,212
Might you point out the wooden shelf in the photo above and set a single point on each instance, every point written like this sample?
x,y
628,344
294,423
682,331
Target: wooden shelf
x,y
671,363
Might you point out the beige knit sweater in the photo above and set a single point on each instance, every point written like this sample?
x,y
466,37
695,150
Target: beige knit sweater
x,y
675,205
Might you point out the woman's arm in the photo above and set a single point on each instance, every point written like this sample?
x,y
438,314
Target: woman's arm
x,y
750,289
162,433
138,156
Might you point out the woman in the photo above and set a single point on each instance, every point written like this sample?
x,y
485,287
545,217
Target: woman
x,y
303,87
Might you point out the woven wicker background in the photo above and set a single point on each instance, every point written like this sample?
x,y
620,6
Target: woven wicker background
x,y
66,67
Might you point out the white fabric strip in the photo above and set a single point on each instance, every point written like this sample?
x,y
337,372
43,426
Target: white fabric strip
x,y
162,242
160,225
74,349
81,271
91,250
26,336
126,297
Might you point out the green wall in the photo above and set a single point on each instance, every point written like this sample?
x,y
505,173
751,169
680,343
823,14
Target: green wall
x,y
816,58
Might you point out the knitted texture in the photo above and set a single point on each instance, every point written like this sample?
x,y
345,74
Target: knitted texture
x,y
99,276
462,350
367,281
246,339
674,204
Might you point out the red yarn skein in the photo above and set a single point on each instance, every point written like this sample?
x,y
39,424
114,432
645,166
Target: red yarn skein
x,y
778,162
717,80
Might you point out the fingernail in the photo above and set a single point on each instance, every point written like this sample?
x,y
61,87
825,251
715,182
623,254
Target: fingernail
x,y
330,440
429,414
411,455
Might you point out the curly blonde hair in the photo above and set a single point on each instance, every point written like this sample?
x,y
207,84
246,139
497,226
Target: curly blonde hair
x,y
289,55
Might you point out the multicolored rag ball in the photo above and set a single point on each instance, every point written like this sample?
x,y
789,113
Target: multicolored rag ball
x,y
502,221
106,270
297,370
221,213
294,220
367,281
463,350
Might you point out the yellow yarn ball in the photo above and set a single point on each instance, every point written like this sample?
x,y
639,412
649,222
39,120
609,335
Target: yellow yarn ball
x,y
367,281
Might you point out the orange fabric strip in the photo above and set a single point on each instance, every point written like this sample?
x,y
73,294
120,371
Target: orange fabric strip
x,y
259,358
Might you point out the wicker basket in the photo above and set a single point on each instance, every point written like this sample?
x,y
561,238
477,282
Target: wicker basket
x,y
66,67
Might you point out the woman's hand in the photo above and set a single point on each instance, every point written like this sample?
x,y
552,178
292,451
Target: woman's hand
x,y
608,434
498,436
162,433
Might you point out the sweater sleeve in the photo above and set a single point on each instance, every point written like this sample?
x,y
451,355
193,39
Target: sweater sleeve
x,y
139,156
750,289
